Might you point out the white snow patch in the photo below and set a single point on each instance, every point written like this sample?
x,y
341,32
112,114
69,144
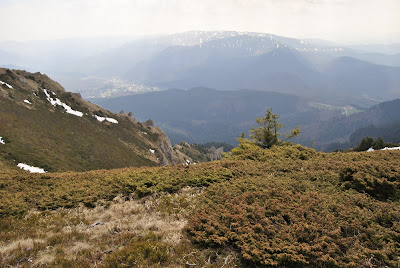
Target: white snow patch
x,y
28,102
2,141
112,120
391,148
70,111
384,149
101,119
30,168
152,151
56,102
4,83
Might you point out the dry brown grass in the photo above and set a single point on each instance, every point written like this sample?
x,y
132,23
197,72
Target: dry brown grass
x,y
91,234
20,243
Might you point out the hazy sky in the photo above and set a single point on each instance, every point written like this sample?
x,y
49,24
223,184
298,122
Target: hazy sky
x,y
337,20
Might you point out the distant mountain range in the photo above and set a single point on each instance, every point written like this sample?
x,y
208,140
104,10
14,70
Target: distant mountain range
x,y
226,60
271,63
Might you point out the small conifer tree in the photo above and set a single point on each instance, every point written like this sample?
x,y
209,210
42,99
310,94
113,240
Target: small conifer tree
x,y
365,144
267,133
378,144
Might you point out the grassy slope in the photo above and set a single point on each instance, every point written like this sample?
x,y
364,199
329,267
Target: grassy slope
x,y
59,141
288,206
41,135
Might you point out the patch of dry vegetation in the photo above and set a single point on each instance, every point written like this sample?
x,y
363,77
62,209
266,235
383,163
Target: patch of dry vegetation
x,y
132,231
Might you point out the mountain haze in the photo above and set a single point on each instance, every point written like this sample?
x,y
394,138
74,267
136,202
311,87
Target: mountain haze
x,y
227,60
267,62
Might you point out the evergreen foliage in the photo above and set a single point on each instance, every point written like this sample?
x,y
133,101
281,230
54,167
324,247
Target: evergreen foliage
x,y
369,142
267,133
365,144
378,144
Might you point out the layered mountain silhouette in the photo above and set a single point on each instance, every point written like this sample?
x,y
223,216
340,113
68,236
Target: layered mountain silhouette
x,y
226,60
268,63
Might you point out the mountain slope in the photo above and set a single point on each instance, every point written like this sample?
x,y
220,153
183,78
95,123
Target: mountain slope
x,y
46,127
339,129
389,132
352,75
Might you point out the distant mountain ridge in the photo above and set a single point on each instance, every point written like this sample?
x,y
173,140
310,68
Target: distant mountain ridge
x,y
267,62
228,60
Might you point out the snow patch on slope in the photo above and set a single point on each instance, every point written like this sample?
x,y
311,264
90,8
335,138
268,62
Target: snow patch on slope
x,y
56,102
108,119
4,83
384,149
30,168
391,148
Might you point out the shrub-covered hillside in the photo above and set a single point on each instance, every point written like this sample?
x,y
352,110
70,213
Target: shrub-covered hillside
x,y
287,206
